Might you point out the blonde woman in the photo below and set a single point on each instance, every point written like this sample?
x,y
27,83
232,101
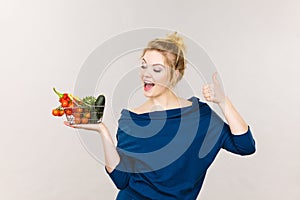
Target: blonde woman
x,y
160,147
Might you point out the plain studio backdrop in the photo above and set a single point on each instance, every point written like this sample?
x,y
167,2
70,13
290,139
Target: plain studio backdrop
x,y
254,44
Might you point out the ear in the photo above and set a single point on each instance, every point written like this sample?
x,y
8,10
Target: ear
x,y
175,78
177,74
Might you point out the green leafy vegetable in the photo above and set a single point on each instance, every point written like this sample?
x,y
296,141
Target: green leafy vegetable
x,y
90,100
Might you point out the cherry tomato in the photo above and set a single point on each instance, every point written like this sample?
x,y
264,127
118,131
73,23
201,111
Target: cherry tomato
x,y
61,112
77,120
64,103
55,112
67,99
65,96
68,111
71,104
84,120
79,110
76,115
87,115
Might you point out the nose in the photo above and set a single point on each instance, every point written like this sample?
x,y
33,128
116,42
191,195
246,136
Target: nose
x,y
146,72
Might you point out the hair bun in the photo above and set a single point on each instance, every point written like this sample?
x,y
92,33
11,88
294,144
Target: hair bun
x,y
178,40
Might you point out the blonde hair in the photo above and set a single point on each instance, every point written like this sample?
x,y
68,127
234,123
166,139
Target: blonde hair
x,y
173,49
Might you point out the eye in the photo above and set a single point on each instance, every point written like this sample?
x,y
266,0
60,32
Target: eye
x,y
143,66
157,69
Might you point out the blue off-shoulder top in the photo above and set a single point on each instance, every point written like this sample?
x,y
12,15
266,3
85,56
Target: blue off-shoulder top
x,y
165,154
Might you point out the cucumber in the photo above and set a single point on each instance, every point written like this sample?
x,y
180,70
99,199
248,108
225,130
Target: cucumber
x,y
99,106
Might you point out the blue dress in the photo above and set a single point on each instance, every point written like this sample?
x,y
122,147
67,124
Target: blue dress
x,y
165,154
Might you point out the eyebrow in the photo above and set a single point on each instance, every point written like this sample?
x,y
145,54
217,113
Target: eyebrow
x,y
156,64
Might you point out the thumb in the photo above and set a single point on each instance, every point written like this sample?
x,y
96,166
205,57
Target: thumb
x,y
214,77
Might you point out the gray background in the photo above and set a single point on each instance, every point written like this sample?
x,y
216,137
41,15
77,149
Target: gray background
x,y
254,45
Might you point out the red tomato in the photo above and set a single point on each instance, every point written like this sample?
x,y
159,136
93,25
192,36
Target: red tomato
x,y
65,96
71,104
87,115
61,112
79,110
84,120
68,111
64,103
55,112
77,120
76,115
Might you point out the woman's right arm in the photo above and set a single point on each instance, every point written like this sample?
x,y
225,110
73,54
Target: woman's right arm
x,y
112,158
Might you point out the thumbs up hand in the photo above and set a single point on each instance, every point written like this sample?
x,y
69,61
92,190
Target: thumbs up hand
x,y
213,92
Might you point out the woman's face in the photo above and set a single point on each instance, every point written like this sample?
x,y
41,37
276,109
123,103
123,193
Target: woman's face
x,y
155,75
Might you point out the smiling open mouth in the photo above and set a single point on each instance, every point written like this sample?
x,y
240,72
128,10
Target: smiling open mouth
x,y
148,86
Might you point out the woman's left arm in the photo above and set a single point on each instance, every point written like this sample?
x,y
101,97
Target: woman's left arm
x,y
214,93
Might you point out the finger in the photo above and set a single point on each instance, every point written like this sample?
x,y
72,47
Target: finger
x,y
77,126
205,92
206,95
214,77
208,99
206,86
209,91
68,124
72,125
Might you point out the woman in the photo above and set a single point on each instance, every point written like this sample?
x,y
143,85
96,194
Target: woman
x,y
166,145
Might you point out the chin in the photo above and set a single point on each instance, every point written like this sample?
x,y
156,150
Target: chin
x,y
152,94
147,94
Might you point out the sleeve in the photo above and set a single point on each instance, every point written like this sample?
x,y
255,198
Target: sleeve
x,y
243,144
119,176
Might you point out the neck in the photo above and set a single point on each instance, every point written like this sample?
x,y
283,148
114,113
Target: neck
x,y
164,101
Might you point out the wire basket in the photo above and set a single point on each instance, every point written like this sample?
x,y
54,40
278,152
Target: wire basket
x,y
84,114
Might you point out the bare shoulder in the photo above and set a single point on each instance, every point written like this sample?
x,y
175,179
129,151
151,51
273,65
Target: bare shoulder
x,y
140,109
185,103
